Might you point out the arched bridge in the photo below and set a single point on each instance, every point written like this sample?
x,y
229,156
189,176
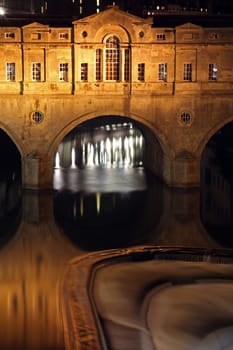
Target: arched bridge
x,y
175,83
173,147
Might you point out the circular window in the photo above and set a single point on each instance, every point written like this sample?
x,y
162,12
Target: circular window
x,y
37,117
141,34
84,34
185,118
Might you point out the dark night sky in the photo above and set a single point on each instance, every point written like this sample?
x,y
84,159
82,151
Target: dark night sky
x,y
67,7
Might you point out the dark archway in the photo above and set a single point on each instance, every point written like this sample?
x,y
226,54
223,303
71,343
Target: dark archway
x,y
10,188
217,186
9,155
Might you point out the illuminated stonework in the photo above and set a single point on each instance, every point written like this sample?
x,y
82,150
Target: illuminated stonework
x,y
115,70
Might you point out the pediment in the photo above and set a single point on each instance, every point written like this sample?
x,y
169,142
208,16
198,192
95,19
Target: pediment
x,y
113,15
35,25
188,26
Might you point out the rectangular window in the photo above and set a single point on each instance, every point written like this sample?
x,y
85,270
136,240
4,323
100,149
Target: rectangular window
x,y
127,65
162,71
98,63
213,71
188,71
161,36
10,71
84,71
63,36
36,71
36,36
9,35
141,71
63,71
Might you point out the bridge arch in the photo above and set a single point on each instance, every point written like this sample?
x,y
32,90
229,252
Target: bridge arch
x,y
211,132
14,138
158,149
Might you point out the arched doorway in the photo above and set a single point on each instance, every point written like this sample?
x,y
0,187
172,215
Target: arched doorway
x,y
217,186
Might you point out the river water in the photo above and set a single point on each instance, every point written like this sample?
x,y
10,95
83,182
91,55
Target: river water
x,y
90,209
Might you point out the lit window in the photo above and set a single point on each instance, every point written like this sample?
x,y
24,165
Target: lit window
x,y
37,117
63,71
188,71
141,71
127,65
213,71
84,71
162,71
161,36
98,60
63,36
185,118
36,36
9,35
112,59
10,71
36,71
213,36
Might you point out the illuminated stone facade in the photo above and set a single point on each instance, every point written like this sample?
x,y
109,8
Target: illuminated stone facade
x,y
176,82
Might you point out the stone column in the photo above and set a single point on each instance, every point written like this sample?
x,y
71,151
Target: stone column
x,y
37,172
185,171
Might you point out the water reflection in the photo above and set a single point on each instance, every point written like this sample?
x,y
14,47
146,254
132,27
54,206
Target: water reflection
x,y
109,145
107,208
217,193
90,209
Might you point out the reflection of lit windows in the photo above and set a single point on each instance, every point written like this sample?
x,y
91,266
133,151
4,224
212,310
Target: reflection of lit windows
x,y
36,71
141,71
213,71
10,71
84,71
63,71
112,58
162,71
188,71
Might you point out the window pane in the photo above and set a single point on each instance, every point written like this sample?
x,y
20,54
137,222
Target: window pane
x,y
188,71
98,59
112,59
84,71
36,71
10,71
141,71
63,71
127,65
213,71
162,71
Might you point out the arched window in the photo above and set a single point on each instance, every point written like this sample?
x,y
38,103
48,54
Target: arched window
x,y
112,62
112,58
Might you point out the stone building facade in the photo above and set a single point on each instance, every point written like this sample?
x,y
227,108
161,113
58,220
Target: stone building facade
x,y
177,83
